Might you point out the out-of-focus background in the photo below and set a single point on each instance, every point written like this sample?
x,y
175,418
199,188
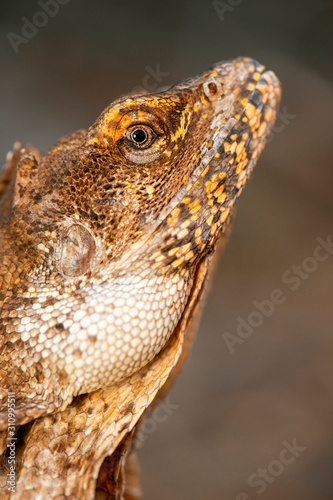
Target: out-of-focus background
x,y
257,422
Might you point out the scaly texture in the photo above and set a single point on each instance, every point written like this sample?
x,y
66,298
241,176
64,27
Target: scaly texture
x,y
106,243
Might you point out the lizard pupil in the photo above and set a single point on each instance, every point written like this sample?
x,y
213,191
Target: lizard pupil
x,y
139,136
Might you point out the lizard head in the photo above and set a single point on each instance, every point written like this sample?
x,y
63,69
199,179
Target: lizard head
x,y
164,168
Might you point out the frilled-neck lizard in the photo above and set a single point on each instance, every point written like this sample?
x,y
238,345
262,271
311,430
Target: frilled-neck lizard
x,y
106,242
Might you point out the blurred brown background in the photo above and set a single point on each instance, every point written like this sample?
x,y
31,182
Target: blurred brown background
x,y
230,414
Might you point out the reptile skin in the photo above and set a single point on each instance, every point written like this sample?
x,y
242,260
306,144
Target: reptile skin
x,y
106,242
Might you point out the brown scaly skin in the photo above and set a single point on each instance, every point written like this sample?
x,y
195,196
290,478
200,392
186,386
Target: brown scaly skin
x,y
106,242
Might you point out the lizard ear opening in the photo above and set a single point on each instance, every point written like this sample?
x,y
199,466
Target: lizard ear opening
x,y
77,251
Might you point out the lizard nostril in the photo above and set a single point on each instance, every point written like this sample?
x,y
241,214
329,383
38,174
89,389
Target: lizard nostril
x,y
213,89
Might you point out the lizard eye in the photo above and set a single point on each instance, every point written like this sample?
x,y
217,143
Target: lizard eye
x,y
140,136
